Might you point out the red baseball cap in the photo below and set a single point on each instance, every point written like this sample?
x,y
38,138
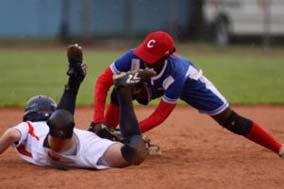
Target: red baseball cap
x,y
157,45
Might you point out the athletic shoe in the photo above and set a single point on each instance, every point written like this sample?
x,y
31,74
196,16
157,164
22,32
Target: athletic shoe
x,y
76,69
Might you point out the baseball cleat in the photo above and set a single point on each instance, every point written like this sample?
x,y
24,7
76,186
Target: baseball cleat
x,y
131,78
74,54
76,68
153,149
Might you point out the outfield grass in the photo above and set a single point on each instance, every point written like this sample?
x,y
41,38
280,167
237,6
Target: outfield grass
x,y
243,78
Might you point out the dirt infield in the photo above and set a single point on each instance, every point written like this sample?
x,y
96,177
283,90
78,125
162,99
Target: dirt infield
x,y
196,153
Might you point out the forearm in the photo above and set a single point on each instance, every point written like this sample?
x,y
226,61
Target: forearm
x,y
9,137
103,84
99,103
160,114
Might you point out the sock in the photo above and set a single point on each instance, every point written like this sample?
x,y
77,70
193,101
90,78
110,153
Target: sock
x,y
68,99
261,137
128,122
73,85
112,115
67,102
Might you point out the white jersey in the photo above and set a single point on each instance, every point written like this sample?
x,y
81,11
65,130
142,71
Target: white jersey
x,y
32,148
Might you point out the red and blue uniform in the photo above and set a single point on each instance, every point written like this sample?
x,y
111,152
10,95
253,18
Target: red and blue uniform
x,y
178,79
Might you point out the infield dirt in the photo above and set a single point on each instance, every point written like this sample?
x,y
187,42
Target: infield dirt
x,y
196,153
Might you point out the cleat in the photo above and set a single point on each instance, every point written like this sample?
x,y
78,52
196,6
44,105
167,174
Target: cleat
x,y
153,149
132,78
74,54
76,70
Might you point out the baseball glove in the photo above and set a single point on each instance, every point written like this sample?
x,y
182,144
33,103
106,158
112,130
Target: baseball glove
x,y
104,131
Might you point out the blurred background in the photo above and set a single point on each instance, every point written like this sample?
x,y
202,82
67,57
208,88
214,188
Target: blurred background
x,y
237,43
221,21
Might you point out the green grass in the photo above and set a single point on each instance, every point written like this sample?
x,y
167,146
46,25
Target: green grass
x,y
31,72
246,80
242,79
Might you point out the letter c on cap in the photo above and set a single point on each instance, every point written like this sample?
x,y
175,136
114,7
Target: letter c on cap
x,y
150,43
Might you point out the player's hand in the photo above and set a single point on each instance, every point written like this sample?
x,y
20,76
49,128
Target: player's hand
x,y
105,131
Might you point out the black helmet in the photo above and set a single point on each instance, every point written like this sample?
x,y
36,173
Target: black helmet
x,y
61,124
39,108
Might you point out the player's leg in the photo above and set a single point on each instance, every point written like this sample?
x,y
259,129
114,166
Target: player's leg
x,y
203,95
140,93
61,122
76,72
112,112
133,151
249,129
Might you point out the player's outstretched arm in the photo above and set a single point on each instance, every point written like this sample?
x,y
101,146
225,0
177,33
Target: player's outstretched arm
x,y
9,137
160,114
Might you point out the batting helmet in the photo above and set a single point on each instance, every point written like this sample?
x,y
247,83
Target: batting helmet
x,y
39,108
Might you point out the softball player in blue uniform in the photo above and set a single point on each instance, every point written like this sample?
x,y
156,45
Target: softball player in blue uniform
x,y
176,78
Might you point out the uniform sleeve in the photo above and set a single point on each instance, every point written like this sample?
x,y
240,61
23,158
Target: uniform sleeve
x,y
24,130
103,84
157,117
122,64
105,81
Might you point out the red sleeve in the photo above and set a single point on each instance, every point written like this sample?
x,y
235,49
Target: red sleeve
x,y
157,117
103,84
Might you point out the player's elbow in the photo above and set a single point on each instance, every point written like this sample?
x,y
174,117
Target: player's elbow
x,y
9,137
13,135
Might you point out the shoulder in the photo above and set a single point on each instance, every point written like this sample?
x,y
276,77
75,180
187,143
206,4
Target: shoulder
x,y
178,64
126,62
22,126
128,55
36,128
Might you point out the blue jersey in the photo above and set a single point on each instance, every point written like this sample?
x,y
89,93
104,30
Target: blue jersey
x,y
179,78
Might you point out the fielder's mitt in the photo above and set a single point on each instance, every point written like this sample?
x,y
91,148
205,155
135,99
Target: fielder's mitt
x,y
104,131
